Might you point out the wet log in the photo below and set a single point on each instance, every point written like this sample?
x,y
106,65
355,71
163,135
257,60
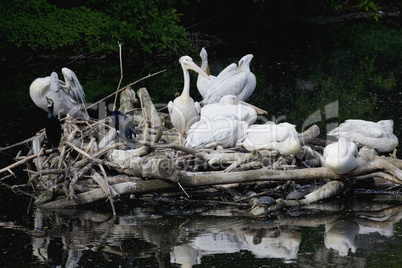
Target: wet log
x,y
152,121
125,188
159,168
308,135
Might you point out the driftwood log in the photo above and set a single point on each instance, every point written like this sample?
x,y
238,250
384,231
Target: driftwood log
x,y
93,165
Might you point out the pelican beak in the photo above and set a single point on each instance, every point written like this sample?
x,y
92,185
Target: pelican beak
x,y
241,66
49,101
208,71
192,66
258,110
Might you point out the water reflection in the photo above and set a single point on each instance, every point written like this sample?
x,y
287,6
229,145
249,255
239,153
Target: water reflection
x,y
75,238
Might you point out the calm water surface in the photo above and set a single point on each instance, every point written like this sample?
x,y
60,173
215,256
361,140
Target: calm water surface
x,y
321,75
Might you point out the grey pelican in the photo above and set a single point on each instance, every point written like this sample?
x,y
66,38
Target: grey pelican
x,y
68,96
378,135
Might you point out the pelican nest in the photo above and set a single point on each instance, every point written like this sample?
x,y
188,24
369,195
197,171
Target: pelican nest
x,y
93,164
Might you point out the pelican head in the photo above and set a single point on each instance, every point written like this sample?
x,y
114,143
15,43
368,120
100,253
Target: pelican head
x,y
49,102
387,125
187,63
341,156
232,99
204,59
244,63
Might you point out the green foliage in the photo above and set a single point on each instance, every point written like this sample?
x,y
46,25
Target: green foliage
x,y
143,26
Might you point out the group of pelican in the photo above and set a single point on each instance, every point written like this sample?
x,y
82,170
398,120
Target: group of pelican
x,y
224,121
342,156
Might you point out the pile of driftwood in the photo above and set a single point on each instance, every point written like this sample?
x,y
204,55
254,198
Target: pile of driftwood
x,y
93,164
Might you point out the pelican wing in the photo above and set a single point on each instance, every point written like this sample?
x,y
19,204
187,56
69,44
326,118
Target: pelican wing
x,y
359,128
74,86
231,84
230,69
56,86
269,132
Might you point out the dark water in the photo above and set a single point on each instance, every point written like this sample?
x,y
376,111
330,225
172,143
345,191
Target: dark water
x,y
306,74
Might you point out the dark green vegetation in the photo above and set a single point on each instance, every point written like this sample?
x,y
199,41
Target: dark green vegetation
x,y
71,28
40,36
86,27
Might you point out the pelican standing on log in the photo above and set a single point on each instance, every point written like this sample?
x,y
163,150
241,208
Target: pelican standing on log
x,y
68,96
341,157
183,110
230,104
378,135
239,81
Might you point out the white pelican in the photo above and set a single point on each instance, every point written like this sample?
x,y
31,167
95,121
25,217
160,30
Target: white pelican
x,y
183,110
68,96
203,83
230,104
238,81
375,135
341,157
222,131
270,136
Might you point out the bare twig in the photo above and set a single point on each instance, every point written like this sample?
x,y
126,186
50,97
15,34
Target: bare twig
x,y
121,77
129,85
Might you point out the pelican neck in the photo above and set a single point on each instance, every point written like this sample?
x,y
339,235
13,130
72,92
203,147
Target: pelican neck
x,y
186,88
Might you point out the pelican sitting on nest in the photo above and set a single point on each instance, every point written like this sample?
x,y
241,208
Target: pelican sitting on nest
x,y
220,132
231,105
378,135
341,157
238,81
68,96
183,110
270,136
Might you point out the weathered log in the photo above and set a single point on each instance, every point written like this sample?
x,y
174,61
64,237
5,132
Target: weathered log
x,y
121,188
103,184
193,179
77,175
159,168
309,134
152,120
330,189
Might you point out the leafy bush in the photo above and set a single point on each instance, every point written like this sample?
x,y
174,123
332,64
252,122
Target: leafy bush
x,y
38,26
